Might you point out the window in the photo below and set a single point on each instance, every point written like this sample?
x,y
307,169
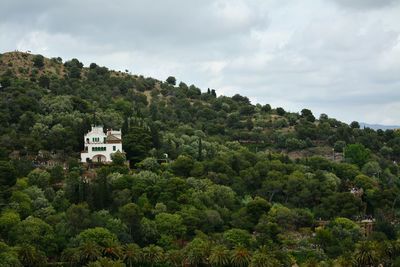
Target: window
x,y
100,148
114,148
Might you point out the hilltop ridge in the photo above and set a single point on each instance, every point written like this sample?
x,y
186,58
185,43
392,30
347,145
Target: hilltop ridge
x,y
233,118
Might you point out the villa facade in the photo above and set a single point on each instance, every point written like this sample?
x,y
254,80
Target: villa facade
x,y
100,145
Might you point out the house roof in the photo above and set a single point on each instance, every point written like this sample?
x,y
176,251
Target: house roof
x,y
113,139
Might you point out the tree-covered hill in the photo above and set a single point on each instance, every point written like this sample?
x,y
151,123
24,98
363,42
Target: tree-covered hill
x,y
243,184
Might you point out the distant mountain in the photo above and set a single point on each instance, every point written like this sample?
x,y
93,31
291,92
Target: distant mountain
x,y
379,126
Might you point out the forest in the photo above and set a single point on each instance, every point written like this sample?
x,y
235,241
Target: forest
x,y
211,180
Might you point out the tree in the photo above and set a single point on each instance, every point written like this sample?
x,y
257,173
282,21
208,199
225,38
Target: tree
x,y
31,256
7,174
307,114
148,230
280,111
197,252
294,144
281,215
247,110
39,178
38,61
8,256
44,81
136,144
171,80
131,215
355,125
56,174
236,237
74,68
35,232
200,150
346,171
170,224
266,108
89,251
371,168
338,237
113,249
241,99
132,254
98,235
153,254
263,258
182,165
256,207
149,164
240,257
219,256
386,151
78,217
118,159
22,202
175,257
267,230
356,154
8,219
339,146
366,254
342,204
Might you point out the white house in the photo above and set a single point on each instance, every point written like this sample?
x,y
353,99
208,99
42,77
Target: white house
x,y
99,146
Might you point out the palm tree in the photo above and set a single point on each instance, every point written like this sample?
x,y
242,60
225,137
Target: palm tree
x,y
389,250
344,260
366,254
113,249
30,256
71,255
132,254
220,256
240,256
197,252
264,258
175,257
105,262
89,251
153,254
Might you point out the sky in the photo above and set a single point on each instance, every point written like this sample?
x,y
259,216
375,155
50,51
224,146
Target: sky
x,y
338,57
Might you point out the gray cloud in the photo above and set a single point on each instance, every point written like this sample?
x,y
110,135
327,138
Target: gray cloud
x,y
311,54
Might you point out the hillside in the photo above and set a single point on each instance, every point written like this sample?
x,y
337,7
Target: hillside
x,y
243,183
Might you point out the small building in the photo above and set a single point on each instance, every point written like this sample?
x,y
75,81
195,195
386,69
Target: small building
x,y
100,145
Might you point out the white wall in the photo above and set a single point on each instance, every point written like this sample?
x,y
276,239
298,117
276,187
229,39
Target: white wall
x,y
107,153
97,132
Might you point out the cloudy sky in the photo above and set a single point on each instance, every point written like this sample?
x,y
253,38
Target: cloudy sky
x,y
340,57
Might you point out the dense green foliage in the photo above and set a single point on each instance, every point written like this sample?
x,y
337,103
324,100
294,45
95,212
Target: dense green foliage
x,y
213,181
